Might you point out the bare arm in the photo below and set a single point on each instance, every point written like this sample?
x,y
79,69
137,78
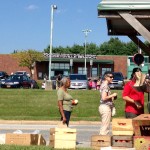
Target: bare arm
x,y
60,105
128,99
105,96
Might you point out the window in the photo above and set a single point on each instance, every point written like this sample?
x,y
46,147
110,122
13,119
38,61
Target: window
x,y
60,65
81,70
94,72
105,69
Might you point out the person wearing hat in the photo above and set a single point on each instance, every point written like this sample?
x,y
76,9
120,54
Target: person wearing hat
x,y
133,98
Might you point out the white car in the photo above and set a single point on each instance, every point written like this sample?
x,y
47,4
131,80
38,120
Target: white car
x,y
78,81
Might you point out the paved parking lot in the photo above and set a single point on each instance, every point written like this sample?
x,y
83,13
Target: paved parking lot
x,y
84,129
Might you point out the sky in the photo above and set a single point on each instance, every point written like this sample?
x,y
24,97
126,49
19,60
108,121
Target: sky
x,y
25,24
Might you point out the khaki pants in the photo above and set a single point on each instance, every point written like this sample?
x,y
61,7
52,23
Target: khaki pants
x,y
105,113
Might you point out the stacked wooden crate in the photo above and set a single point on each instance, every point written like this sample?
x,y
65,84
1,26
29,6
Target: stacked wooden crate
x,y
63,138
99,141
122,133
141,126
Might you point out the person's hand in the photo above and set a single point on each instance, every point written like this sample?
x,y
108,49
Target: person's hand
x,y
138,104
138,75
114,95
64,120
74,102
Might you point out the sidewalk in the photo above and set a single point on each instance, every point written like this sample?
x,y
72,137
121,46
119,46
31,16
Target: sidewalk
x,y
46,122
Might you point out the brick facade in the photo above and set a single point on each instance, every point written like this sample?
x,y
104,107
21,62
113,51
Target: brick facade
x,y
9,64
120,62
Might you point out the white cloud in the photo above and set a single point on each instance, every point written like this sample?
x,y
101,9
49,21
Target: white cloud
x,y
32,7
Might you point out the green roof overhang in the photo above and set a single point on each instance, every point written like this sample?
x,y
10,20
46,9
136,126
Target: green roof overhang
x,y
124,5
67,60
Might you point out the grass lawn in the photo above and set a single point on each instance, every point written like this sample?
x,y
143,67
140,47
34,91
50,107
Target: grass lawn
x,y
13,147
29,104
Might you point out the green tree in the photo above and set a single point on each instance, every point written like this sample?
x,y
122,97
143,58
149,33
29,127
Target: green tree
x,y
113,47
27,58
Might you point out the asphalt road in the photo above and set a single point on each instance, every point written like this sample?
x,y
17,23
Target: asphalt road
x,y
84,130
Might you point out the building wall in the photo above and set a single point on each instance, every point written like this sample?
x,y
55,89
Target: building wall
x,y
9,64
120,62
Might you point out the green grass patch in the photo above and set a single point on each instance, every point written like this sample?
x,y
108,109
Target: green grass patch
x,y
16,147
38,104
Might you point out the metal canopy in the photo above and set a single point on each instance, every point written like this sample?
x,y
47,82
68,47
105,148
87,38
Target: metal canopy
x,y
127,17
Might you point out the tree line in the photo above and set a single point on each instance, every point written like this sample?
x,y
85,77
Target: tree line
x,y
112,47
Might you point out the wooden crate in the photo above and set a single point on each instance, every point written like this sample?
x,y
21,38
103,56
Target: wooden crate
x,y
121,126
142,142
98,141
63,138
21,139
41,140
141,125
122,141
116,148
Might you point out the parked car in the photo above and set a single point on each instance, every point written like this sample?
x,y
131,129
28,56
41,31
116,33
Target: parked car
x,y
78,81
3,75
16,81
118,81
22,73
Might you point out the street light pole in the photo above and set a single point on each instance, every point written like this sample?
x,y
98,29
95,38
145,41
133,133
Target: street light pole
x,y
51,39
86,31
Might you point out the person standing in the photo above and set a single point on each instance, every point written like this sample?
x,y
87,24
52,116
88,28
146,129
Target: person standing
x,y
106,103
58,81
133,98
65,101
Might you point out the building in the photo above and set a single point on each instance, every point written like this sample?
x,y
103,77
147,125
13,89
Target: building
x,y
73,63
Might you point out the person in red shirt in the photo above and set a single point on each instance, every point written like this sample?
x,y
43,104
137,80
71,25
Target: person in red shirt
x,y
134,99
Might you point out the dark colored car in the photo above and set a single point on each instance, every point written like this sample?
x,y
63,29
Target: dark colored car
x,y
16,81
118,81
3,75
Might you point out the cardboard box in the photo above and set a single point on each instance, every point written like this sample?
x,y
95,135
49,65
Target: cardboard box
x,y
122,141
121,126
98,141
21,139
141,125
142,142
63,138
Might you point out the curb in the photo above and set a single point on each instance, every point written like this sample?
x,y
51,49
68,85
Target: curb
x,y
48,122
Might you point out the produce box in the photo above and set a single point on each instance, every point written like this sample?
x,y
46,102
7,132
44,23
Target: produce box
x,y
116,148
21,139
142,142
122,141
41,140
98,141
63,138
121,126
141,125
2,138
